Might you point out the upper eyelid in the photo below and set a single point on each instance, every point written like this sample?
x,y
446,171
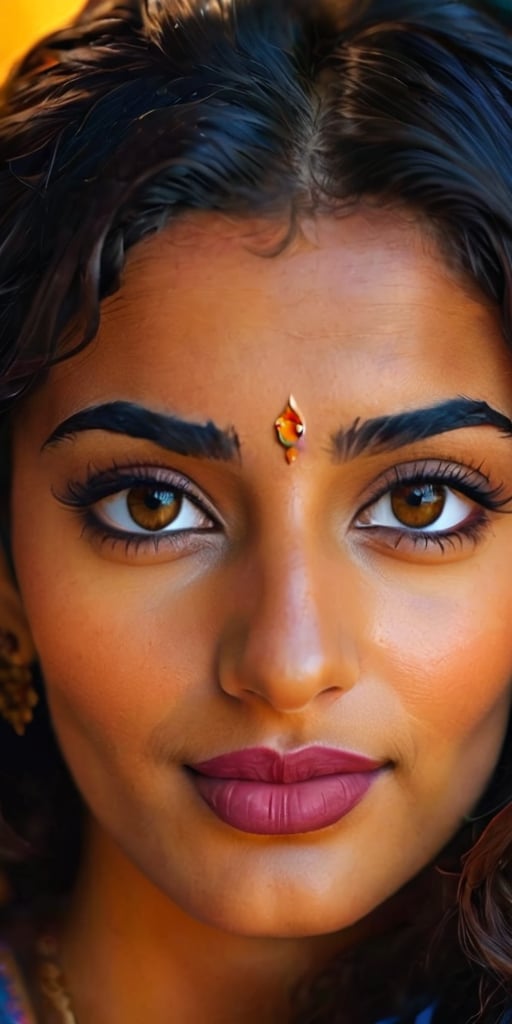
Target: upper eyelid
x,y
135,471
471,481
429,468
119,478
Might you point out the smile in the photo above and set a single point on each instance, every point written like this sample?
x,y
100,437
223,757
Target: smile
x,y
265,793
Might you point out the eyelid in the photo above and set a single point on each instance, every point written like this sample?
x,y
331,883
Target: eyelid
x,y
456,506
83,495
403,541
101,484
469,480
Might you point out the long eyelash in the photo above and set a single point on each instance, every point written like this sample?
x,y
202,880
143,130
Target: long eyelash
x,y
471,481
131,543
81,496
453,539
101,484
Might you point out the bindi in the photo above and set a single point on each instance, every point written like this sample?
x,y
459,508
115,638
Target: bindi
x,y
290,429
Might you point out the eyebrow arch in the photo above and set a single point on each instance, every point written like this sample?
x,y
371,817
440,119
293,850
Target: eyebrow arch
x,y
199,440
387,433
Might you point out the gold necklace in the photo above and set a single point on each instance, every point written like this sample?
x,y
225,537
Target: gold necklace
x,y
51,980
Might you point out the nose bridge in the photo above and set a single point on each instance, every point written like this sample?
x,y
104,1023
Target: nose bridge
x,y
290,646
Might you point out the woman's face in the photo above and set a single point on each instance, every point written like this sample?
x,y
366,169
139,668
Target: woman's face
x,y
193,594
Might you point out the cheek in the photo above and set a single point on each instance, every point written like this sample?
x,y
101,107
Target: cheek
x,y
125,655
448,657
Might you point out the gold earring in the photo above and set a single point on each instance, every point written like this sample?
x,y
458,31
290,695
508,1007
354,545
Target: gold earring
x,y
17,695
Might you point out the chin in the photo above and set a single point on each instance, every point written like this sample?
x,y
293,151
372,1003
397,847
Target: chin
x,y
251,916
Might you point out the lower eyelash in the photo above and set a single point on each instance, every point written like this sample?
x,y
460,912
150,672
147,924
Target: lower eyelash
x,y
473,531
132,543
470,481
81,497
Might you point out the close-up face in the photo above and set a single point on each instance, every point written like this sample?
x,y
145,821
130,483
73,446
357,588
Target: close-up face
x,y
326,599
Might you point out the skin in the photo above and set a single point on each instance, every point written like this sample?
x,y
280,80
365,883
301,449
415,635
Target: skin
x,y
290,625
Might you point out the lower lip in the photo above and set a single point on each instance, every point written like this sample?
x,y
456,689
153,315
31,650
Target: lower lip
x,y
270,809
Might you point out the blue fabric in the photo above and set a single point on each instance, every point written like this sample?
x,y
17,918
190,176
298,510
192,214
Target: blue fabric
x,y
5,1002
11,1010
5,1013
425,1017
8,1015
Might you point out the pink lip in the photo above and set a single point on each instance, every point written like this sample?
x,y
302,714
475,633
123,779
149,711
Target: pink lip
x,y
263,792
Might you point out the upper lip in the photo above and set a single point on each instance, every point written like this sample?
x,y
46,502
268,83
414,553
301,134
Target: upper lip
x,y
267,765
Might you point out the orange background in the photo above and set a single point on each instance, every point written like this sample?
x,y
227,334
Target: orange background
x,y
22,22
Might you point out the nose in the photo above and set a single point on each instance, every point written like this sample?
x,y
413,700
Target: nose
x,y
289,643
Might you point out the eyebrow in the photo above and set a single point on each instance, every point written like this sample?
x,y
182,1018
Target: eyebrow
x,y
387,433
198,440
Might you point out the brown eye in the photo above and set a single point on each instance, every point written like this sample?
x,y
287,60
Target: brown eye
x,y
418,505
153,508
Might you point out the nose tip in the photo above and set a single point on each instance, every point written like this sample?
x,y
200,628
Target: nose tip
x,y
288,649
286,688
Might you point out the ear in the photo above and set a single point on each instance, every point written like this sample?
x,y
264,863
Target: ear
x,y
12,615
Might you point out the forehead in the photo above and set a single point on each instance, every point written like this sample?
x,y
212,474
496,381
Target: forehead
x,y
360,308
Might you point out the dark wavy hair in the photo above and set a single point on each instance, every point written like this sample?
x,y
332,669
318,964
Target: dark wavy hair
x,y
140,110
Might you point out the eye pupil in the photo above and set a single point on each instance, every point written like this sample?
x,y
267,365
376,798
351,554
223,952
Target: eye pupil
x,y
416,497
153,508
155,499
418,505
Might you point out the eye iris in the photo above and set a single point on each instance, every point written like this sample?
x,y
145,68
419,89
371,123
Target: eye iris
x,y
418,505
153,508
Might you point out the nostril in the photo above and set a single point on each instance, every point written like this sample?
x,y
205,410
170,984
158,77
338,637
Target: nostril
x,y
332,691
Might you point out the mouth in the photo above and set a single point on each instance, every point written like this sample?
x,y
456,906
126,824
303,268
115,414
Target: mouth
x,y
261,791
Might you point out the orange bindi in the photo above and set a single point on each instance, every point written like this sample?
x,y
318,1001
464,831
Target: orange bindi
x,y
290,428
